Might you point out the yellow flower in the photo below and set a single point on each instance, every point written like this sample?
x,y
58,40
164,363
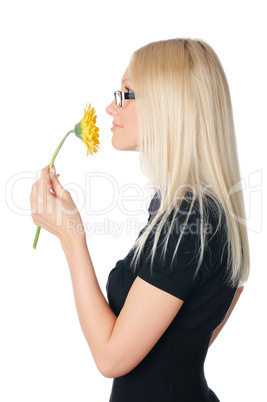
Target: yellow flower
x,y
87,131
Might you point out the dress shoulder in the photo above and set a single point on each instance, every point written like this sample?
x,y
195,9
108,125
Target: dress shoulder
x,y
176,266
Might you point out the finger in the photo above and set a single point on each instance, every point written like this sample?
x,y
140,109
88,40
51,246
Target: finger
x,y
56,186
45,176
44,183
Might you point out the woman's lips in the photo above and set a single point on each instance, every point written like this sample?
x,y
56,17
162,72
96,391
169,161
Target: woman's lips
x,y
115,127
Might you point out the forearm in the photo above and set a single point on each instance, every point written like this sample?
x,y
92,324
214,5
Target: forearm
x,y
96,318
220,327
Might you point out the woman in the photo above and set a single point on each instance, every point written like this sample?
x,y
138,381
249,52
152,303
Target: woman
x,y
172,294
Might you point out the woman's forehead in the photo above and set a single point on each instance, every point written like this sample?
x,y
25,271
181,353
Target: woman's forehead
x,y
126,76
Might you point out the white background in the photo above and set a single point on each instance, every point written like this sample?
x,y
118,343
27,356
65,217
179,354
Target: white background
x,y
56,56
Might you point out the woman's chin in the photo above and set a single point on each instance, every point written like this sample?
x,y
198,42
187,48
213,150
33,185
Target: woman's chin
x,y
122,145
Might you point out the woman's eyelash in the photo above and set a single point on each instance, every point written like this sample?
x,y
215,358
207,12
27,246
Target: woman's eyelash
x,y
128,90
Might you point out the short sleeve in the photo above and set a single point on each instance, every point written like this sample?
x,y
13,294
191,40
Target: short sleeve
x,y
178,277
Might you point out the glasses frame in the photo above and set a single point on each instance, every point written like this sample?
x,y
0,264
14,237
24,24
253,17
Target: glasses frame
x,y
123,96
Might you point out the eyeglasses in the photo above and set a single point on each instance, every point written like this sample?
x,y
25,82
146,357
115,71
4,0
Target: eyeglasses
x,y
121,96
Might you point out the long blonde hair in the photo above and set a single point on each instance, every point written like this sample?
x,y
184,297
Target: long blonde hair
x,y
187,141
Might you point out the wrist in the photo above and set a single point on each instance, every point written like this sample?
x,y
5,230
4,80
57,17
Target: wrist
x,y
74,236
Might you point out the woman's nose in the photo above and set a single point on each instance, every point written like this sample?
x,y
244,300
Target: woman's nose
x,y
112,108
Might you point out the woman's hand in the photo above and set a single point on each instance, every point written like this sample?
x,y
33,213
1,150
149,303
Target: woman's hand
x,y
54,211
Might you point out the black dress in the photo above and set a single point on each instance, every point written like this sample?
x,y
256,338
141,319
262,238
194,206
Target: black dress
x,y
173,371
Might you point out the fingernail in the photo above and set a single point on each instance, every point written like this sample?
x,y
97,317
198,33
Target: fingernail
x,y
52,171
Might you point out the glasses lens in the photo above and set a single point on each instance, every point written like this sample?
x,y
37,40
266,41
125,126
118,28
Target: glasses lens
x,y
118,99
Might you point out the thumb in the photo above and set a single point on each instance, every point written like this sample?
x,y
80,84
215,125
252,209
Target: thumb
x,y
56,186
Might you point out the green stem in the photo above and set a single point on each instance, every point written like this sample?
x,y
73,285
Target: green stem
x,y
36,237
58,148
50,165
